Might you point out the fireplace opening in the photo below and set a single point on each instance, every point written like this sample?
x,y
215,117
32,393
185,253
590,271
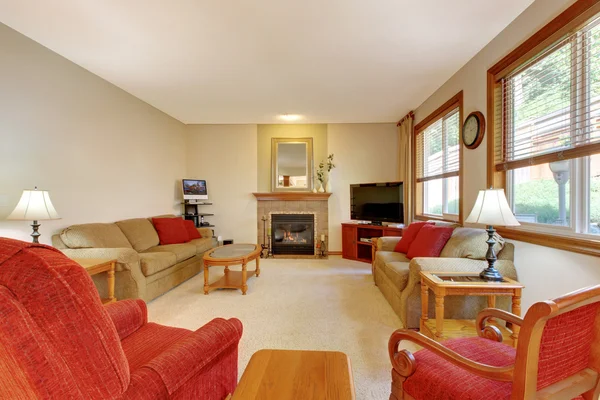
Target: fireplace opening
x,y
293,234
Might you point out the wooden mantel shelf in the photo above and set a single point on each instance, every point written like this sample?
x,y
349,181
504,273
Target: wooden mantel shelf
x,y
292,196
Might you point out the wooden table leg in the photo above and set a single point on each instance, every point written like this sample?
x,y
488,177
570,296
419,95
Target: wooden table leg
x,y
516,309
111,282
491,304
257,267
439,315
244,276
205,277
424,305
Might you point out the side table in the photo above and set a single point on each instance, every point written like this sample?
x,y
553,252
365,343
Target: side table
x,y
95,266
464,284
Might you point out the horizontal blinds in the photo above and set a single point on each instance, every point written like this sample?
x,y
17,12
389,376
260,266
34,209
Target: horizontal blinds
x,y
550,107
437,148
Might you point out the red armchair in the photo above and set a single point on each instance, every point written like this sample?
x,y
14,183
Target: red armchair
x,y
58,341
557,356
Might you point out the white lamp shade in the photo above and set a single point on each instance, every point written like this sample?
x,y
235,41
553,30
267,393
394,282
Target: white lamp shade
x,y
491,208
35,205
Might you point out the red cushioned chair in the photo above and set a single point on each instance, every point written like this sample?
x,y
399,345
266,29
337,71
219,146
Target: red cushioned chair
x,y
57,340
557,356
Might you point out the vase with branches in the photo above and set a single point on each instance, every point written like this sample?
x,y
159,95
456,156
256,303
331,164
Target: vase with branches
x,y
329,165
321,176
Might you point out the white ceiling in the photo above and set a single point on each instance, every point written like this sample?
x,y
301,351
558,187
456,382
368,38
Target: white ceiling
x,y
247,61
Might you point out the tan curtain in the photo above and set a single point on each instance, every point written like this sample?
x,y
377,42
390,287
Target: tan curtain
x,y
405,137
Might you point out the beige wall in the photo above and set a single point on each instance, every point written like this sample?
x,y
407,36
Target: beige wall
x,y
103,154
546,272
363,153
266,132
226,156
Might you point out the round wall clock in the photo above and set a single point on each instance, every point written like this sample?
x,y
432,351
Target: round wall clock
x,y
473,130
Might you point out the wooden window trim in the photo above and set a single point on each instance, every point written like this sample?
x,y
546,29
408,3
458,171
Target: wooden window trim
x,y
573,17
456,100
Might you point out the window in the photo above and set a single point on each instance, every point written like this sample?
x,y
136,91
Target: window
x,y
545,114
437,163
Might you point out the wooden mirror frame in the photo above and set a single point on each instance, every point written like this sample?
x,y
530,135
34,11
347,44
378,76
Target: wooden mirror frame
x,y
309,163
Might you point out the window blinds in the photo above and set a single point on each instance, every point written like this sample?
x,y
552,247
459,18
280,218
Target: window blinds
x,y
550,107
437,148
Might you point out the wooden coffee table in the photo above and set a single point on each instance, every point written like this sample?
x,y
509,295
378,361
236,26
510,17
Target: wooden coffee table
x,y
231,254
464,284
296,374
95,266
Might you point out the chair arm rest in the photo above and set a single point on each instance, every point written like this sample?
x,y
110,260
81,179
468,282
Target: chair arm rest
x,y
126,258
184,359
404,363
387,243
205,232
488,313
128,316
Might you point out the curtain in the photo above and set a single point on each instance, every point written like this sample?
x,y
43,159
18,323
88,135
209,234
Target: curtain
x,y
405,137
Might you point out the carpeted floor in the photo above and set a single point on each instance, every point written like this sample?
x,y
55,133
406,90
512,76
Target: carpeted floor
x,y
298,304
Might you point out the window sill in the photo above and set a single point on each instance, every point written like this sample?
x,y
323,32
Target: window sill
x,y
436,218
577,245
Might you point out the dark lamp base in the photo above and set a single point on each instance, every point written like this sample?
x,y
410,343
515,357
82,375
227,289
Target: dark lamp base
x,y
490,273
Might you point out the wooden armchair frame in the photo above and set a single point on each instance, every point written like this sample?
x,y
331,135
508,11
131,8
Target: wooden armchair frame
x,y
524,372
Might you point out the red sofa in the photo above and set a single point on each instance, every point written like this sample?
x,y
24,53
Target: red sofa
x,y
58,341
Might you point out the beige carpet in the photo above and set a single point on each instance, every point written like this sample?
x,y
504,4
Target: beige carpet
x,y
299,304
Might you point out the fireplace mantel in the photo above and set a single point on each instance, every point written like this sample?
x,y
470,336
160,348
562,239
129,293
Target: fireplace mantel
x,y
292,196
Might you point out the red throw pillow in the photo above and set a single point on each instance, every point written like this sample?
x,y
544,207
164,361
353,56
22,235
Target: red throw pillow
x,y
408,235
430,241
191,230
170,230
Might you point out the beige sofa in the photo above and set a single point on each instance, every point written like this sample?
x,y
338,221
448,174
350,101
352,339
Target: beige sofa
x,y
144,268
398,277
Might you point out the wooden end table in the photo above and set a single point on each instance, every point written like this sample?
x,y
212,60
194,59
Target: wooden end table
x,y
464,284
227,255
296,374
95,266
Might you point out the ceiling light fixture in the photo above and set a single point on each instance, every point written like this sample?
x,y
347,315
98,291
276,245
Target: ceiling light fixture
x,y
290,117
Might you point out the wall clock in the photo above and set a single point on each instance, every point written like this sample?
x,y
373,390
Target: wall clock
x,y
473,130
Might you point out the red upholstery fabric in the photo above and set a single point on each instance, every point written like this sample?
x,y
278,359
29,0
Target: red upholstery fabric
x,y
438,379
192,232
170,230
565,345
58,341
430,241
128,316
409,235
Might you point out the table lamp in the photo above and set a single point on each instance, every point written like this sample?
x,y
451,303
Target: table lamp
x,y
35,205
491,208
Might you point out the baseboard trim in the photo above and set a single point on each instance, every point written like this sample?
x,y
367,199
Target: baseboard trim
x,y
335,253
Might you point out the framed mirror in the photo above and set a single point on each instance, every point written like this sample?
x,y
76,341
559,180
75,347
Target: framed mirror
x,y
291,164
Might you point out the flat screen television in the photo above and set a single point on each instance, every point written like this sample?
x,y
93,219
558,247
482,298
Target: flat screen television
x,y
377,202
194,189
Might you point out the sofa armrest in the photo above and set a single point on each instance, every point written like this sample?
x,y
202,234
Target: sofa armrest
x,y
442,264
387,243
184,359
127,259
128,316
205,232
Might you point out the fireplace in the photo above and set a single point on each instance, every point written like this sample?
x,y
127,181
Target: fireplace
x,y
293,234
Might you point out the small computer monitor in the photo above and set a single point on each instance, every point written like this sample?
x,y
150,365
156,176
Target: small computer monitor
x,y
194,189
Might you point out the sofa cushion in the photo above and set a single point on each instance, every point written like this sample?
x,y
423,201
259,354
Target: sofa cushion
x,y
191,230
202,244
94,235
470,243
409,235
152,263
170,230
182,251
397,272
430,241
140,233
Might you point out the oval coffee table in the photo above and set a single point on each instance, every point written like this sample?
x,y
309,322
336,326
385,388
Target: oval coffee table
x,y
227,255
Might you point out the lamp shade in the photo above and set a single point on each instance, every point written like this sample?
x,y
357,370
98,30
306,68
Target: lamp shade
x,y
35,205
491,208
